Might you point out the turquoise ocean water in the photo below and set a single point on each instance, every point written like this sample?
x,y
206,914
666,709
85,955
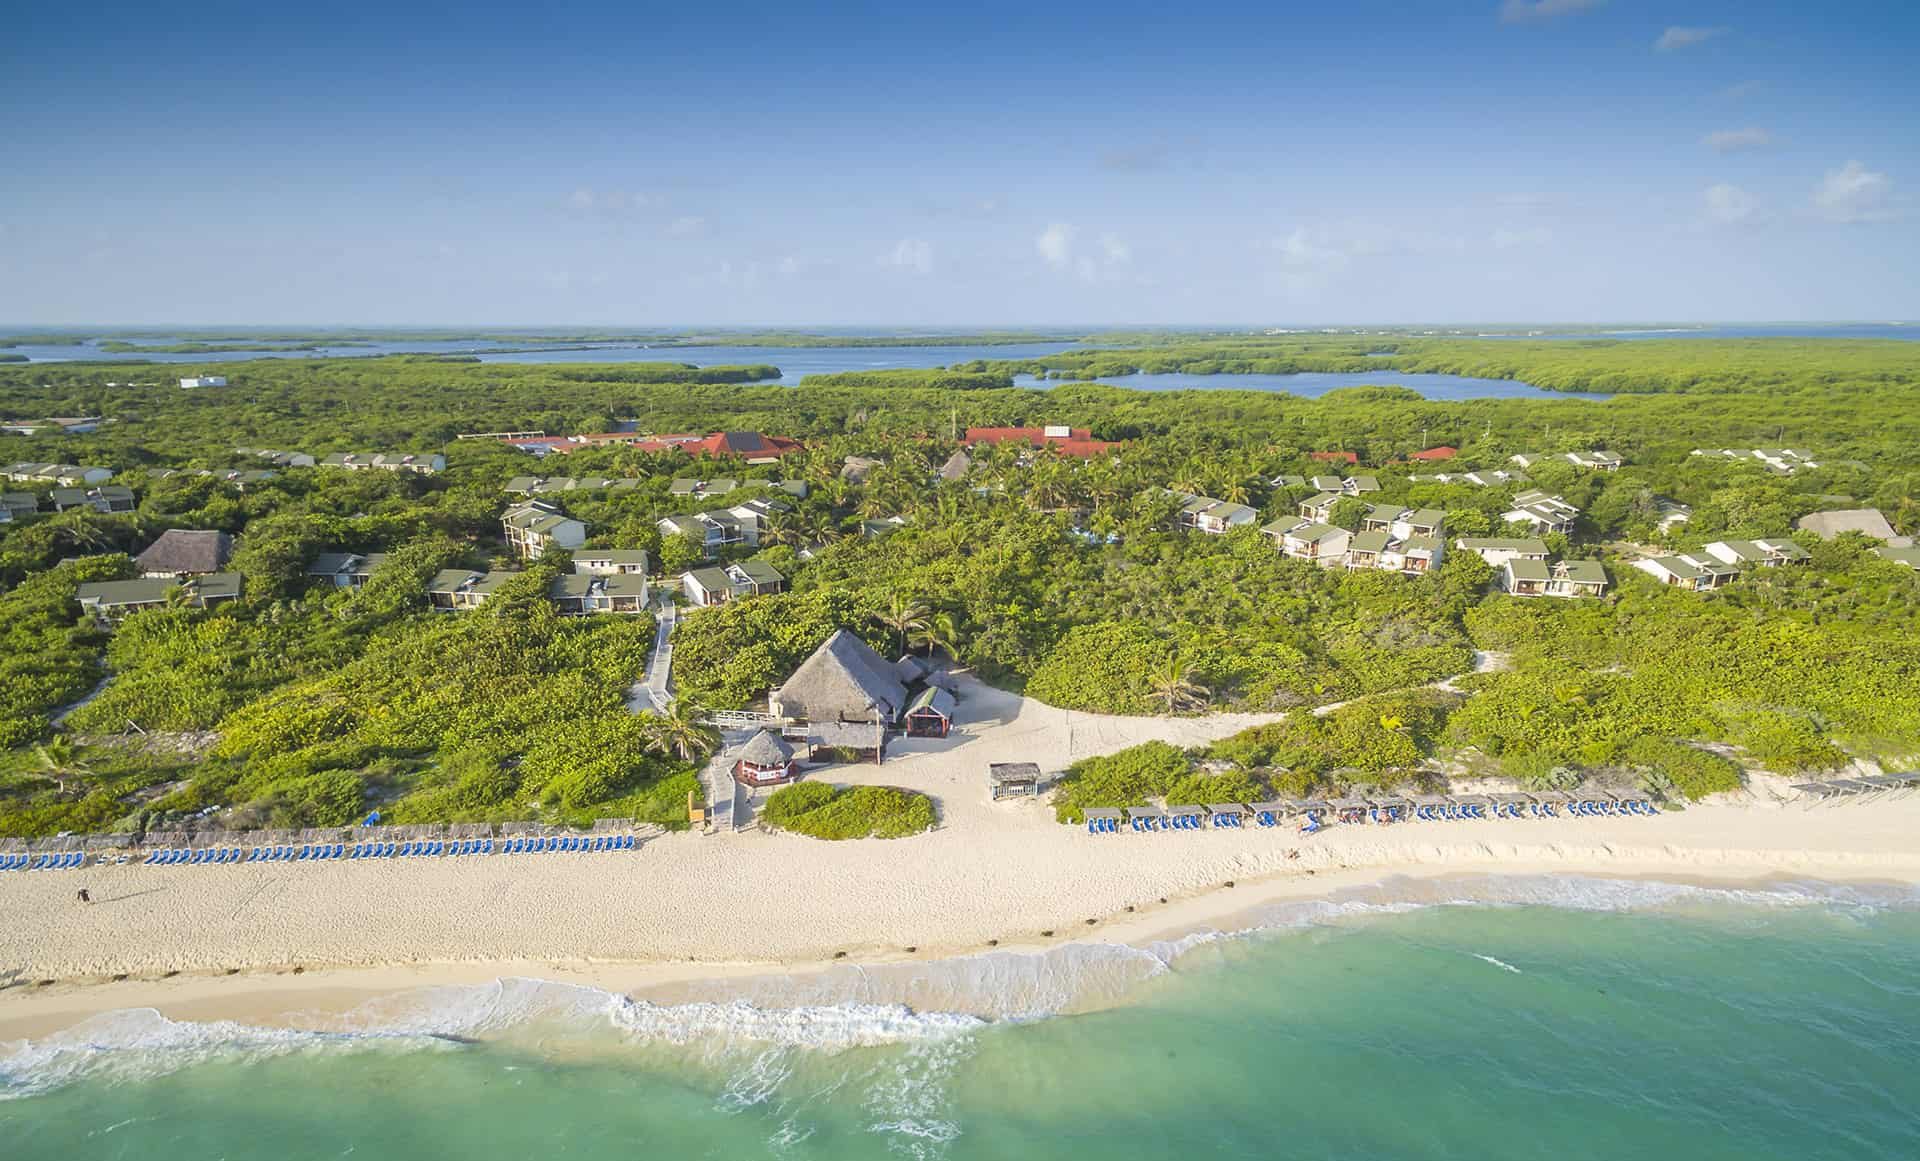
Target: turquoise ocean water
x,y
1514,1018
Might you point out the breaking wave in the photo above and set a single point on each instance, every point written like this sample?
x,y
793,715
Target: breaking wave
x,y
755,1033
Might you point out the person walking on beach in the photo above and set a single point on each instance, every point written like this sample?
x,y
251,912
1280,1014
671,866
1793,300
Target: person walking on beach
x,y
84,896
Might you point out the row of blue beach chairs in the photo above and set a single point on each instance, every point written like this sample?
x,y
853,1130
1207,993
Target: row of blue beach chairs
x,y
1313,814
410,849
47,861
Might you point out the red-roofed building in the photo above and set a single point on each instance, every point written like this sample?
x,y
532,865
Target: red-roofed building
x,y
1068,441
1335,457
749,445
1435,453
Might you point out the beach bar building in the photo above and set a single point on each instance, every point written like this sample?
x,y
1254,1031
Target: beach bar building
x,y
845,693
766,760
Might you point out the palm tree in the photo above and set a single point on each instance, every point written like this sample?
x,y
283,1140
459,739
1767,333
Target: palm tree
x,y
59,758
1173,684
904,615
681,731
940,632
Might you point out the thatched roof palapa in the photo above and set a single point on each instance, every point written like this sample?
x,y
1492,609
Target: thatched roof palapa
x,y
844,680
766,749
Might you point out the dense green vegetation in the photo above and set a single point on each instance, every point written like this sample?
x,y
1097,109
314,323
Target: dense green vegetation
x,y
821,811
1063,578
1593,365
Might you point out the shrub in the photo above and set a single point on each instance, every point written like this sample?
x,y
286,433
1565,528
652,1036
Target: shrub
x,y
1127,778
1691,771
822,811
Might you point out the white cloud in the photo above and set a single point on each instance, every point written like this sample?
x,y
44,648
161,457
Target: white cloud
x,y
1729,205
1055,244
1530,11
1310,250
587,199
915,254
687,227
1523,238
788,266
1734,140
1116,250
1677,37
1741,91
1854,193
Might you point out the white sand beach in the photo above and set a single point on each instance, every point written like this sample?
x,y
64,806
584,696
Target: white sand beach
x,y
688,906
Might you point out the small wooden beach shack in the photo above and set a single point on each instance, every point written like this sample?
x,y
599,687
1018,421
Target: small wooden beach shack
x,y
1015,780
930,714
766,760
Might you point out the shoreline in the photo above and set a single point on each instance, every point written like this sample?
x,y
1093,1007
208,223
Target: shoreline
x,y
736,913
323,997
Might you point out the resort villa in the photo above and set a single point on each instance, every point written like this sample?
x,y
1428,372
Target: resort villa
x,y
368,461
1314,540
1687,571
113,599
1908,556
105,498
1598,461
1525,577
1764,553
183,552
573,594
611,561
1497,551
1784,460
1866,521
14,505
1403,522
723,527
1545,513
1211,516
534,527
1492,479
65,475
279,459
706,587
955,469
540,486
579,594
347,570
454,589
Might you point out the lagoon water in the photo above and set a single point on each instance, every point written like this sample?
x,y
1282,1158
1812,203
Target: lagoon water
x,y
1314,383
1514,1019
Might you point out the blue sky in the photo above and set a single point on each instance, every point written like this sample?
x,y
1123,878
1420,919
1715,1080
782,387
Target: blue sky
x,y
900,164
